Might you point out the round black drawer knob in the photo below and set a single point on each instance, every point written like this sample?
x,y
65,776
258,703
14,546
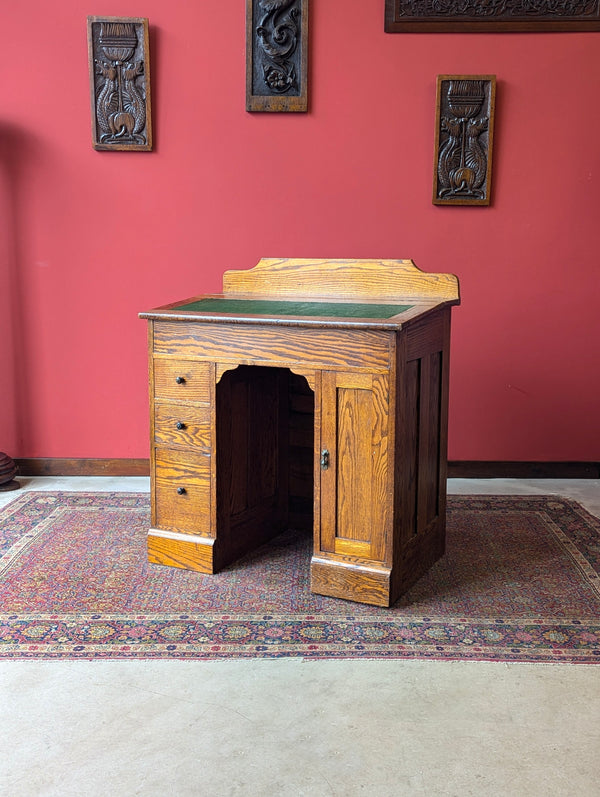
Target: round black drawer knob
x,y
180,425
180,380
181,491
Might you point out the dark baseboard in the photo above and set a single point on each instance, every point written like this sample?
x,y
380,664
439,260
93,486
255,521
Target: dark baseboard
x,y
56,466
44,466
523,470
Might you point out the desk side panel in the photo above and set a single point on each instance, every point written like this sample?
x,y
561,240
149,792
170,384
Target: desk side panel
x,y
421,449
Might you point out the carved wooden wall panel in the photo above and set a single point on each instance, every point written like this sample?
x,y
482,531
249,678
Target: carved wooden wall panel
x,y
464,127
276,55
498,16
119,63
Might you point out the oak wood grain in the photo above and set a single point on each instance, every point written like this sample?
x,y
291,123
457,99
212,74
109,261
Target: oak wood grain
x,y
282,347
181,380
383,280
182,467
175,551
181,491
188,513
350,581
354,489
182,425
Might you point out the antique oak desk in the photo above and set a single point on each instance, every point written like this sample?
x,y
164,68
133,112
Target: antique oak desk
x,y
308,391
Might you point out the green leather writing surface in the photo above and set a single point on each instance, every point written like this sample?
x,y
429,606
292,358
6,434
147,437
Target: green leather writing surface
x,y
275,307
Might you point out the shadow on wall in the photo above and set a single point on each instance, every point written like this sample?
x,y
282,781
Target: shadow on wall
x,y
18,153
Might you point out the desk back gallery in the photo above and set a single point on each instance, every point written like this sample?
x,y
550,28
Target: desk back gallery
x,y
308,391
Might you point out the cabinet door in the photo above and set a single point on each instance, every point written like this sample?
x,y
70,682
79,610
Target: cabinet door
x,y
355,474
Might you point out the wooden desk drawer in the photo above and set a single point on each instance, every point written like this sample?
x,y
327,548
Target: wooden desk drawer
x,y
182,380
182,425
180,468
182,491
187,512
361,349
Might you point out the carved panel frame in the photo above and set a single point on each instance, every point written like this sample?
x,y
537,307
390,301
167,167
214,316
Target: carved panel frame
x,y
277,55
120,96
493,16
464,136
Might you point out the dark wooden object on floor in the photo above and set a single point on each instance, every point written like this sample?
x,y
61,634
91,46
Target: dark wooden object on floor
x,y
307,388
8,470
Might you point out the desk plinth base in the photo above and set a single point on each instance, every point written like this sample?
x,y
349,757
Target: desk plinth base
x,y
375,583
335,579
187,551
353,582
210,554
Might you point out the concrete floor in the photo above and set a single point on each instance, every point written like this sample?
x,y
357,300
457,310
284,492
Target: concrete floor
x,y
289,727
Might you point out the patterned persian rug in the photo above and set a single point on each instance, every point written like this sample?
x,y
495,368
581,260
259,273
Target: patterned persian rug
x,y
520,582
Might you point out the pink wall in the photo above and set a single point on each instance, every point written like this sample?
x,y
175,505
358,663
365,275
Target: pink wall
x,y
88,239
